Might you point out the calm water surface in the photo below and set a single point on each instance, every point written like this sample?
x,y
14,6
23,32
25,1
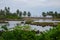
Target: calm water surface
x,y
46,20
12,24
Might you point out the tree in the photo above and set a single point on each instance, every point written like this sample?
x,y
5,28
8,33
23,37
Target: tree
x,y
17,12
24,13
47,13
55,13
43,14
50,13
9,8
5,8
20,14
2,14
29,14
7,11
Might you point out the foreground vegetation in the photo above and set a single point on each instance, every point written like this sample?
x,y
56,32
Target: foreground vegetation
x,y
19,34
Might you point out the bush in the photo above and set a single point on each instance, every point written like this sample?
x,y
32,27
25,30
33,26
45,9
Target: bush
x,y
18,35
52,34
29,21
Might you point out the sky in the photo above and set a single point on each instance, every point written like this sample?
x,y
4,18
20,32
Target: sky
x,y
36,7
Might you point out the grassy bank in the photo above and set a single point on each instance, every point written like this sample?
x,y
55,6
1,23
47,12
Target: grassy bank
x,y
3,22
43,23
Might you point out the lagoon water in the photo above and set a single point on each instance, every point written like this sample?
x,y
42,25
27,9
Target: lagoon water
x,y
45,20
40,28
12,24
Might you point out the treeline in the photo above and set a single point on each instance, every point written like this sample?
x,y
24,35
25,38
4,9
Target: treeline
x,y
6,14
51,13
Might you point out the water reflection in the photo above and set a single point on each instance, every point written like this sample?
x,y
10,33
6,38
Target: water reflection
x,y
46,20
12,24
40,28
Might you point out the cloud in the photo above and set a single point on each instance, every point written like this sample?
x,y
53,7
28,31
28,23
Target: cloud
x,y
34,3
30,3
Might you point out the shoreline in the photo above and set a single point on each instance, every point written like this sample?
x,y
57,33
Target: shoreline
x,y
32,18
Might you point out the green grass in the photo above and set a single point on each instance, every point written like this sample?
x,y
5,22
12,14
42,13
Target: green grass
x,y
43,23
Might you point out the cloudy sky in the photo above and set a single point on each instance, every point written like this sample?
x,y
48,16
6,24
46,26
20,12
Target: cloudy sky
x,y
34,6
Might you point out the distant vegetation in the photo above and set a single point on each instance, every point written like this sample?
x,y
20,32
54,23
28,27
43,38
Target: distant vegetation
x,y
51,13
6,14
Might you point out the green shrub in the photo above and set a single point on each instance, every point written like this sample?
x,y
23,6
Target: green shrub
x,y
52,34
18,35
29,21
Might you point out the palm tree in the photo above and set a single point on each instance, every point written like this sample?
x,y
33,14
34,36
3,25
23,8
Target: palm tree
x,y
55,13
29,14
20,14
43,14
50,13
24,13
2,14
47,13
7,10
17,12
